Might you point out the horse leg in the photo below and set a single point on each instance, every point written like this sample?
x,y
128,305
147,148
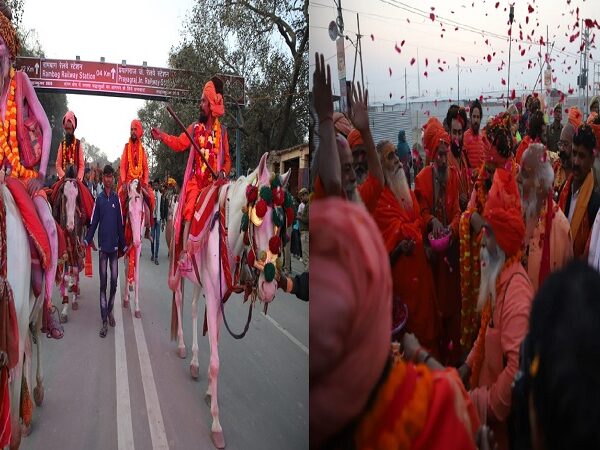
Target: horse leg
x,y
26,422
178,303
64,315
43,209
126,297
38,391
138,252
194,366
212,310
75,278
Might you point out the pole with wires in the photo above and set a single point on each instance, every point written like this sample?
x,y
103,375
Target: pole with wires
x,y
511,17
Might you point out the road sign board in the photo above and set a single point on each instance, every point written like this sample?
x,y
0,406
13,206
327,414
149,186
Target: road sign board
x,y
102,78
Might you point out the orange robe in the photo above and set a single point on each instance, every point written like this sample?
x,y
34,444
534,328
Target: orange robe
x,y
369,192
440,416
200,177
558,242
411,275
465,185
492,394
473,148
444,266
524,145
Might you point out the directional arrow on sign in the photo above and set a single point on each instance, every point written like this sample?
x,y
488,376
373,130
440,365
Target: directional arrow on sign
x,y
37,68
112,71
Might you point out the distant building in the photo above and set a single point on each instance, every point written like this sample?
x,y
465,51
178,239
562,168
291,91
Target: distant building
x,y
296,159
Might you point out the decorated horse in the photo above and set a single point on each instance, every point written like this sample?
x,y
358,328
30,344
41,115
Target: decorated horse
x,y
17,324
71,220
138,214
234,244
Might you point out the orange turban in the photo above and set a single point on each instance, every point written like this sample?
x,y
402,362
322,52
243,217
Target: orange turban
x,y
434,134
9,34
503,212
575,116
138,127
355,139
217,107
350,317
341,123
70,117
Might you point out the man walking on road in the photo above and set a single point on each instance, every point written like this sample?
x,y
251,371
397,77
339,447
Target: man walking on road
x,y
111,238
159,217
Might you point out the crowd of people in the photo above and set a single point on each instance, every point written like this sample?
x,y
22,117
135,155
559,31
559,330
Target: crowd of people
x,y
455,314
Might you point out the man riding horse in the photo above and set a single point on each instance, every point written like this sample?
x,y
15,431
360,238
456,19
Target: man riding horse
x,y
211,137
22,149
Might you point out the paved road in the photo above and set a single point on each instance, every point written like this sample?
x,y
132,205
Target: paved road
x,y
93,385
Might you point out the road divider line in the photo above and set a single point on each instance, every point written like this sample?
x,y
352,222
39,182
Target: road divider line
x,y
124,424
287,334
155,417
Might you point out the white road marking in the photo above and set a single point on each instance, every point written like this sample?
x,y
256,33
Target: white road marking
x,y
155,418
124,424
287,334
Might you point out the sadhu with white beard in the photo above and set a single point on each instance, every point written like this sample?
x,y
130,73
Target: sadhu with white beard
x,y
505,296
398,217
548,244
436,189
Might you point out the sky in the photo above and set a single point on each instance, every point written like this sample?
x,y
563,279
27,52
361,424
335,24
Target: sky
x,y
394,33
131,30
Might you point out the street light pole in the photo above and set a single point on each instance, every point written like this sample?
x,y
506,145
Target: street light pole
x,y
511,17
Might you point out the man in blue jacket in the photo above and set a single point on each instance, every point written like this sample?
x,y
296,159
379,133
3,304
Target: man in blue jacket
x,y
111,239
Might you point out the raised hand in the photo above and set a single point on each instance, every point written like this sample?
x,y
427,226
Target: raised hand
x,y
155,133
322,96
359,106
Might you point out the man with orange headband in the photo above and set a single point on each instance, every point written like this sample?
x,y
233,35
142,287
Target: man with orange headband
x,y
505,296
456,125
211,137
20,154
398,216
436,189
134,165
69,158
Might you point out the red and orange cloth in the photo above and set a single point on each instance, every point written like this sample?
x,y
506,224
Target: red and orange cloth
x,y
575,117
433,136
342,124
580,224
503,212
474,147
350,324
355,139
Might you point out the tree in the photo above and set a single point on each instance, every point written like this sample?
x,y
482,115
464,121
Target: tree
x,y
266,41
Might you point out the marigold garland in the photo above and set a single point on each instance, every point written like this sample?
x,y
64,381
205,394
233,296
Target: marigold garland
x,y
68,153
135,172
408,425
209,145
486,315
9,145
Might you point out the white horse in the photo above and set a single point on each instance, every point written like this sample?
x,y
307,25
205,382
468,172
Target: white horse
x,y
28,310
211,277
72,224
137,218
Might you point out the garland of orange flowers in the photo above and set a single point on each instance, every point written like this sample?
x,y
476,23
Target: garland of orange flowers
x,y
399,432
68,152
486,315
9,145
137,170
469,278
213,139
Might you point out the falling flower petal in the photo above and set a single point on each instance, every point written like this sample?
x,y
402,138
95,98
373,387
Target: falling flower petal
x,y
426,62
432,16
425,74
412,61
497,4
372,37
489,58
390,69
441,70
390,95
530,9
513,94
503,82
